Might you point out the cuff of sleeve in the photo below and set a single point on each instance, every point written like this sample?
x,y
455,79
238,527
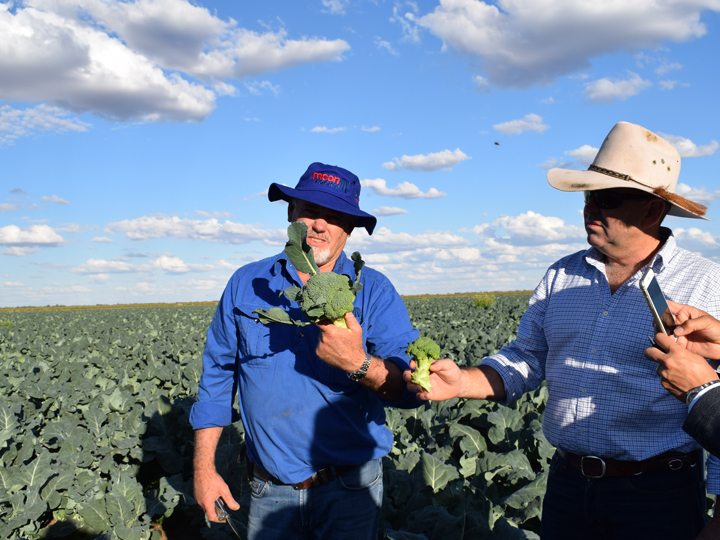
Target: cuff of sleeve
x,y
511,392
208,414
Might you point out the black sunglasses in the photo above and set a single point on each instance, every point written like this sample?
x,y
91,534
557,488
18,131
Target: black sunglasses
x,y
610,200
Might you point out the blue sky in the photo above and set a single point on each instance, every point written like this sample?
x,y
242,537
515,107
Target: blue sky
x,y
138,138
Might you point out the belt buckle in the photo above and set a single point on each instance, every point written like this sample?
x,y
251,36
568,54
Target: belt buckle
x,y
582,467
675,464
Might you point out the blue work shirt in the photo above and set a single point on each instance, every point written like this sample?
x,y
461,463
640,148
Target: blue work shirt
x,y
299,413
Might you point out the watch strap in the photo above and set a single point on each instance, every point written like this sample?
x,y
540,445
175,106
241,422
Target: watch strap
x,y
359,375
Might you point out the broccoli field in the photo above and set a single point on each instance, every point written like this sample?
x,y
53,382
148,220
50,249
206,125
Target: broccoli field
x,y
95,440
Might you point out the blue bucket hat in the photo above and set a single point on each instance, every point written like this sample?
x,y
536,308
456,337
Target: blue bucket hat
x,y
330,187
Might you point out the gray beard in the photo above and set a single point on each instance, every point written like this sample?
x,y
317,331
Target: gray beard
x,y
321,255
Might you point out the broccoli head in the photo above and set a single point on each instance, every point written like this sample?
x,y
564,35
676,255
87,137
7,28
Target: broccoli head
x,y
326,296
424,350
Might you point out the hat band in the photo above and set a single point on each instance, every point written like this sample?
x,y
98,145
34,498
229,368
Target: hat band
x,y
615,174
673,198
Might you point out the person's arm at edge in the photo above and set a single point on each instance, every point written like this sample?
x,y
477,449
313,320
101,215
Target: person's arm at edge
x,y
450,381
208,485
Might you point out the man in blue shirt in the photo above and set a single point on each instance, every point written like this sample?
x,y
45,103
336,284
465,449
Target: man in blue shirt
x,y
311,398
624,468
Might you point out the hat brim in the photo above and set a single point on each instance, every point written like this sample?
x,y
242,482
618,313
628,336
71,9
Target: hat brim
x,y
572,180
279,192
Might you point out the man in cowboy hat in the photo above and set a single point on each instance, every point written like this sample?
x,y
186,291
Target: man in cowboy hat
x,y
624,468
311,398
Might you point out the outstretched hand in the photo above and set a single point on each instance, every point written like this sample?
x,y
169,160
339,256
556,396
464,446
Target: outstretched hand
x,y
680,369
445,377
697,331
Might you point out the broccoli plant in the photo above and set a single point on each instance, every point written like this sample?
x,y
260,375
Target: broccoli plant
x,y
424,350
326,296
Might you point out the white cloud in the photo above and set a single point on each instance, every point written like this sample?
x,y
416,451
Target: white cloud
x,y
13,284
127,60
382,44
696,240
384,240
55,199
430,162
323,129
553,162
547,101
482,85
532,228
17,123
522,43
103,240
101,266
257,88
689,149
584,155
211,230
607,90
700,195
7,207
406,190
531,122
388,211
19,251
35,235
336,7
372,129
665,67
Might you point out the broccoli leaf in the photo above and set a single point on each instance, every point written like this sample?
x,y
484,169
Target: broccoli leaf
x,y
298,250
277,314
359,263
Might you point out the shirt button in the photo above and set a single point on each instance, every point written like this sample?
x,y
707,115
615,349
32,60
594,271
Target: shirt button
x,y
581,430
594,351
301,334
584,390
605,313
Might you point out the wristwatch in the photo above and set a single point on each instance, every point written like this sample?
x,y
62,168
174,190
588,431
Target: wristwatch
x,y
690,396
359,375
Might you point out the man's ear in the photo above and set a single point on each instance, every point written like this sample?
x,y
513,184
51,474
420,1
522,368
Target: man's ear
x,y
291,211
654,213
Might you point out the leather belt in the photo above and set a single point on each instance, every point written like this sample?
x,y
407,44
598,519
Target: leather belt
x,y
321,477
595,467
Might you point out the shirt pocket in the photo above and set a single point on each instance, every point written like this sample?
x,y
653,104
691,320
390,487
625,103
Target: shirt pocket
x,y
259,343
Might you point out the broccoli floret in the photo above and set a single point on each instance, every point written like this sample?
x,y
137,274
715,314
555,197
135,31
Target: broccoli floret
x,y
424,350
326,296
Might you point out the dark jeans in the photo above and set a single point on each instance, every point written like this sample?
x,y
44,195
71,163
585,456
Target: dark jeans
x,y
347,508
660,505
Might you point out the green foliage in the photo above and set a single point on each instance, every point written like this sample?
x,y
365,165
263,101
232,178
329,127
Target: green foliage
x,y
483,300
95,438
7,323
325,297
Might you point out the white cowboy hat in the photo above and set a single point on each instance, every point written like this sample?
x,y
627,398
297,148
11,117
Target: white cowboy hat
x,y
632,157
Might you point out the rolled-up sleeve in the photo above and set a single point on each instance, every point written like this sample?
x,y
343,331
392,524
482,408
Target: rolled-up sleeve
x,y
218,383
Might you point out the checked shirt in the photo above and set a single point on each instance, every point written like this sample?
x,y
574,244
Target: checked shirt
x,y
604,396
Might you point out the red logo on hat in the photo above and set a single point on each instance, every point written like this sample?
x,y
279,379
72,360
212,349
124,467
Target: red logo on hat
x,y
326,177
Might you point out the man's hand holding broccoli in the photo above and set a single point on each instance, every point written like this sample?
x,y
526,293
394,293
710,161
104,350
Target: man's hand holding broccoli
x,y
424,350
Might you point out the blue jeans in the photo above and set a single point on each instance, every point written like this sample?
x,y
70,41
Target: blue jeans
x,y
660,505
347,508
